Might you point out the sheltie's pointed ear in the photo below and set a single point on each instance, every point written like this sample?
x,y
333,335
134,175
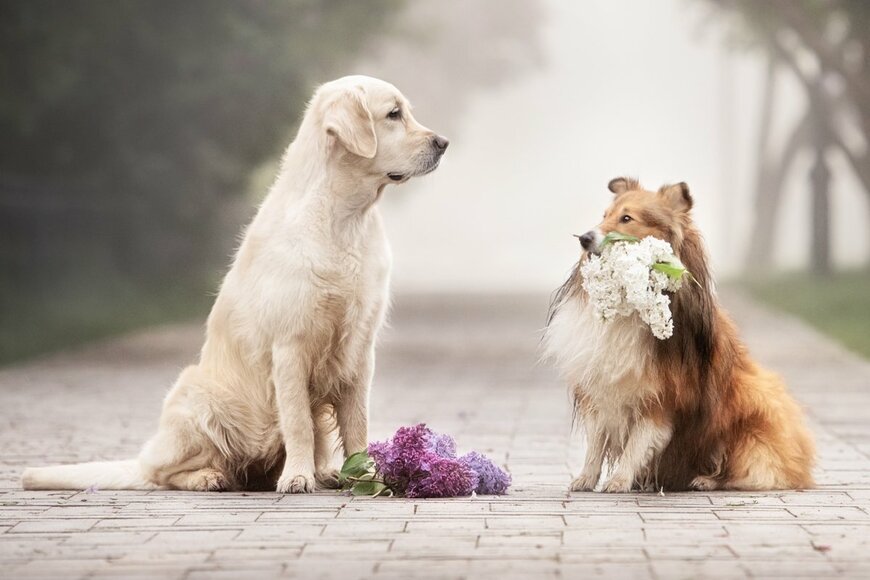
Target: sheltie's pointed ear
x,y
677,196
349,119
622,184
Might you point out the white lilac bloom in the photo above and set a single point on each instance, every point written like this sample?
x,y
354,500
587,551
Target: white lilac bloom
x,y
622,280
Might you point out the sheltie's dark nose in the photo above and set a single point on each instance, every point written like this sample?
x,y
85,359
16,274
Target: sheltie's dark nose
x,y
587,240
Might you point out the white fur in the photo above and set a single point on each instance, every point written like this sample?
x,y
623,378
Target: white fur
x,y
604,363
291,336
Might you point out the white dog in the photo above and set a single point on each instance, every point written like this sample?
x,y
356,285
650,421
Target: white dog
x,y
290,340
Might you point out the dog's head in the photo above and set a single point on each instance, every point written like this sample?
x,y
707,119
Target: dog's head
x,y
371,129
663,214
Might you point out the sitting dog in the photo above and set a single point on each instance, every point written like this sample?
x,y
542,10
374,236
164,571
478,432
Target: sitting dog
x,y
690,412
290,339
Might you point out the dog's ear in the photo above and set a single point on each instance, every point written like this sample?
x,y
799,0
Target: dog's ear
x,y
623,184
677,196
348,118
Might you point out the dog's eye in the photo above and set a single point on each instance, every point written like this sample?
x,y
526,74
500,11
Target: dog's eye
x,y
625,219
395,114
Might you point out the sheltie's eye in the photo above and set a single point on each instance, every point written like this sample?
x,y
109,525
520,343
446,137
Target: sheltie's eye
x,y
625,219
395,114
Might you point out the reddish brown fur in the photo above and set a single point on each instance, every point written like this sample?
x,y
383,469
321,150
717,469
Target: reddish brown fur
x,y
735,424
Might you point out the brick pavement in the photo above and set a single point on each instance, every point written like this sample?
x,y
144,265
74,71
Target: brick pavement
x,y
465,366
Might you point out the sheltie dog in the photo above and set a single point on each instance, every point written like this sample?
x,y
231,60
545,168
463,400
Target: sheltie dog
x,y
691,412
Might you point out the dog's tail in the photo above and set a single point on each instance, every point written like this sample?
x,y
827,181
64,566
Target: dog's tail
x,y
97,475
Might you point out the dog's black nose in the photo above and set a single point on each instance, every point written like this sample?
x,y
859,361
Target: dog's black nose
x,y
440,143
587,239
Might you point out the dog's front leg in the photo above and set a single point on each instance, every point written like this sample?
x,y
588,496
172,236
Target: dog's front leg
x,y
290,376
353,408
646,440
596,445
325,444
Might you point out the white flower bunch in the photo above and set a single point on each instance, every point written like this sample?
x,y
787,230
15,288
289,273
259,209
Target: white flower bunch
x,y
631,275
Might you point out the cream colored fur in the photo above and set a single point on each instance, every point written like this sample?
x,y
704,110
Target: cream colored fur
x,y
290,341
604,363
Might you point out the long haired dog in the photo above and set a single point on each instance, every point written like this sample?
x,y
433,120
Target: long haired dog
x,y
690,412
290,341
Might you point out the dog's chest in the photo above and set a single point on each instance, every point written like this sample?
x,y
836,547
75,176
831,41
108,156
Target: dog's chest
x,y
604,361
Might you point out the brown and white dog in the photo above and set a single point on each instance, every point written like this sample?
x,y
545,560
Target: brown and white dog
x,y
690,412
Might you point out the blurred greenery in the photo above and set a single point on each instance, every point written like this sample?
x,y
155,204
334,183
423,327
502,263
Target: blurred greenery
x,y
838,305
128,131
132,134
79,314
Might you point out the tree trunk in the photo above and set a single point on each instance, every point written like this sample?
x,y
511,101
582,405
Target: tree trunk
x,y
820,179
820,252
766,202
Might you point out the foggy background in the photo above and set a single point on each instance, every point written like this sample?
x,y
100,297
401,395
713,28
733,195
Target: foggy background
x,y
653,90
137,138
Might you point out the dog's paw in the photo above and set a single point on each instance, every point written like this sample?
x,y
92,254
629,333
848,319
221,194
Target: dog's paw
x,y
328,479
209,480
295,484
703,483
617,484
584,482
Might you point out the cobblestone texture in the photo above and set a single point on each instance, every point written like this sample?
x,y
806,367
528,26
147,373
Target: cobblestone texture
x,y
466,366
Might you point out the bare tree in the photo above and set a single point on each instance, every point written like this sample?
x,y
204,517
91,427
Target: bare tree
x,y
836,34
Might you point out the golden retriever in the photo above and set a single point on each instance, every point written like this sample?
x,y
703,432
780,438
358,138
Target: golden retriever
x,y
290,340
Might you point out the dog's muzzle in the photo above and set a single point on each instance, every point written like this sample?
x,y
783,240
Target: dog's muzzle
x,y
438,145
591,241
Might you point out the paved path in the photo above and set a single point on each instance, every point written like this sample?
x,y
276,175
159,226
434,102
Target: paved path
x,y
466,367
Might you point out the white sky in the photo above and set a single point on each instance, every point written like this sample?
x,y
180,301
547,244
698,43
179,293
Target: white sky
x,y
630,88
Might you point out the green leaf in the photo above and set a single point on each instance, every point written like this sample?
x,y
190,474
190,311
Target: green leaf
x,y
368,488
673,269
356,466
386,492
356,463
612,237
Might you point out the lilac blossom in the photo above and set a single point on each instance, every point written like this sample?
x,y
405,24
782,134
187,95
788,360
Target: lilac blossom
x,y
419,462
492,480
445,477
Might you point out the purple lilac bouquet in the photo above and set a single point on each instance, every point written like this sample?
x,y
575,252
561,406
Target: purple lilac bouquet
x,y
418,462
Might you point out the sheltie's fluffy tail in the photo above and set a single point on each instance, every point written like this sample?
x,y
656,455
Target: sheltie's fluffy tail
x,y
98,475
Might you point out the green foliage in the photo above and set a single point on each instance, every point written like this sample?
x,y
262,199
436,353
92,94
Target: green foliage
x,y
358,474
49,318
368,487
615,236
167,99
674,269
838,304
129,129
356,465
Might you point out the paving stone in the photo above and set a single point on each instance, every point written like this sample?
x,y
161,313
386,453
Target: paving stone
x,y
466,366
358,547
280,534
140,572
47,526
691,569
110,538
368,528
152,522
217,519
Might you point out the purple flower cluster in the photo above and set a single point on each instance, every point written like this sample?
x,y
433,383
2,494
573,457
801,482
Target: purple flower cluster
x,y
417,462
491,479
